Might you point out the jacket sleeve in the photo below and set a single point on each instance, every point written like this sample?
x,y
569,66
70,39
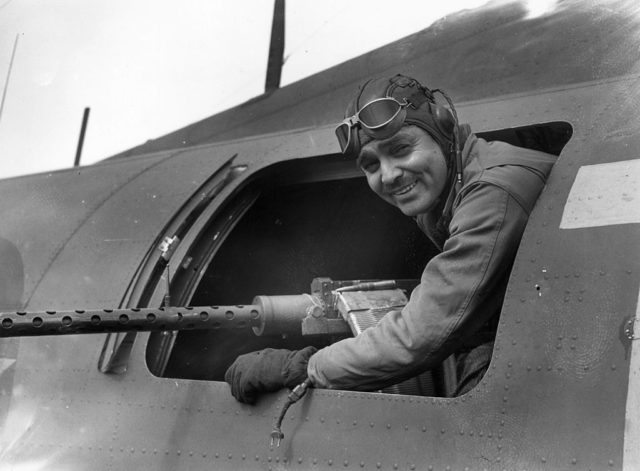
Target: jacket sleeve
x,y
459,290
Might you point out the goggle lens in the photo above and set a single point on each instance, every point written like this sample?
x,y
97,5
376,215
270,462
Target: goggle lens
x,y
374,115
378,113
343,133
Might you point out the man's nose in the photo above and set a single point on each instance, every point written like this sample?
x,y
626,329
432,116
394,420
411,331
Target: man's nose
x,y
389,173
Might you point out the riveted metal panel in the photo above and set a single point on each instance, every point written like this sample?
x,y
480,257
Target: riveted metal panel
x,y
101,222
560,362
554,397
42,212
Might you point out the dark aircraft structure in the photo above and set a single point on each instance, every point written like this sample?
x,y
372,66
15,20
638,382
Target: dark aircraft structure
x,y
130,285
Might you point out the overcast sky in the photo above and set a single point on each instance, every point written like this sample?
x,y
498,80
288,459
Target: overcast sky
x,y
148,67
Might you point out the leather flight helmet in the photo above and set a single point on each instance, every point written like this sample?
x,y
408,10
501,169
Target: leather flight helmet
x,y
422,111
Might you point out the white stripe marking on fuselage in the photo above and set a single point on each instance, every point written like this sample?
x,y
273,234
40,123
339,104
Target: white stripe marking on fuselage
x,y
604,195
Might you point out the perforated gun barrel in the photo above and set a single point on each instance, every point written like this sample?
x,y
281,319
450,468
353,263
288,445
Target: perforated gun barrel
x,y
20,324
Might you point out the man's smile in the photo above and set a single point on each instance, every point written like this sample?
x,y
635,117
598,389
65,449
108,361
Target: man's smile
x,y
404,189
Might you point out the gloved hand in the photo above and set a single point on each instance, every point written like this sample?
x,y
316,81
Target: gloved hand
x,y
266,371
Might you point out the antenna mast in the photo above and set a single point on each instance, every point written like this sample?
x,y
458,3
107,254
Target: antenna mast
x,y
276,48
83,128
6,83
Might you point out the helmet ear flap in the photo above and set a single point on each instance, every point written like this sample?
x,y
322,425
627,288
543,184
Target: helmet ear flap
x,y
443,119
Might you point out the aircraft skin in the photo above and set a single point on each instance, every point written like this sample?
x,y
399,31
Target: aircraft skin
x,y
562,388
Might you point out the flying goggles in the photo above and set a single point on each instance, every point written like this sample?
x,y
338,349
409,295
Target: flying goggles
x,y
380,118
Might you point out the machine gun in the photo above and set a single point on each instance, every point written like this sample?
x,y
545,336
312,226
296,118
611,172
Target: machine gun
x,y
333,307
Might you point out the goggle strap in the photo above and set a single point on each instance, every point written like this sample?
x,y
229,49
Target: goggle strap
x,y
417,99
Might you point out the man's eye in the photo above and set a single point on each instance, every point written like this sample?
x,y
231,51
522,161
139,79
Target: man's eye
x,y
400,149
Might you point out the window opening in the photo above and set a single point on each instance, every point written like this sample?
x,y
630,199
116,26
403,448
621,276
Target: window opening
x,y
298,221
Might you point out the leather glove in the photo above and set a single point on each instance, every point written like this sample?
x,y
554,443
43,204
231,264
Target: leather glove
x,y
267,370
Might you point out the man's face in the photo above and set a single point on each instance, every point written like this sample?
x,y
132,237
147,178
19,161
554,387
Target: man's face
x,y
407,170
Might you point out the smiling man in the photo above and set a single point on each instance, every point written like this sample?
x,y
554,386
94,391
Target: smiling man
x,y
407,170
471,197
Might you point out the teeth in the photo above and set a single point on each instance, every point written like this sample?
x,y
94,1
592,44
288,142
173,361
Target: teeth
x,y
404,190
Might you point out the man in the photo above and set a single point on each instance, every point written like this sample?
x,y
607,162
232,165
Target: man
x,y
472,202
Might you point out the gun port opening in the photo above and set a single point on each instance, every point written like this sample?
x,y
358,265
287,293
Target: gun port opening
x,y
290,224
